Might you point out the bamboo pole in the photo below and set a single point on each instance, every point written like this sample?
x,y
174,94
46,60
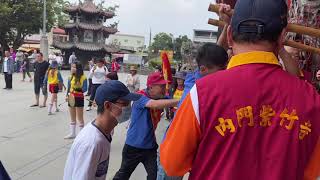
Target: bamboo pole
x,y
291,27
290,43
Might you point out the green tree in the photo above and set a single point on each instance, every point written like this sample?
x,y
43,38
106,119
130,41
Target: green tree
x,y
60,18
161,41
20,18
178,43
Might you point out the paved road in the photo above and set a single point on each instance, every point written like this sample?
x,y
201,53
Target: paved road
x,y
31,142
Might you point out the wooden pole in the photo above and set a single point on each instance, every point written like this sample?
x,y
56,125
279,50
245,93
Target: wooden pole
x,y
290,43
291,27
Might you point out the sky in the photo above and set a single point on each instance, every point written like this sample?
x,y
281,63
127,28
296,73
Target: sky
x,y
178,17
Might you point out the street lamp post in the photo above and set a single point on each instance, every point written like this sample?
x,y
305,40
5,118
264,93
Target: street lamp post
x,y
44,45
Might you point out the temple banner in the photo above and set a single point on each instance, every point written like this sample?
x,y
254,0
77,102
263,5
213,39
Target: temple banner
x,y
169,53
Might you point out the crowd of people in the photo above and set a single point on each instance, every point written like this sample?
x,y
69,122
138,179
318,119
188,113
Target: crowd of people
x,y
243,110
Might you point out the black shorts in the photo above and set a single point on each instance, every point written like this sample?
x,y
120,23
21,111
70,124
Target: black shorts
x,y
38,84
79,102
53,88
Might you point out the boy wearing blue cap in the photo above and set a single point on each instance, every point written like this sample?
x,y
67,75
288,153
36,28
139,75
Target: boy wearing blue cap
x,y
89,155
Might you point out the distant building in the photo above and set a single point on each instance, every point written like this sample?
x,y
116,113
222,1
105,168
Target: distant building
x,y
204,36
57,34
127,42
33,41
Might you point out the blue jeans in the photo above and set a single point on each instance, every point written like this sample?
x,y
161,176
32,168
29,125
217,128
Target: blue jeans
x,y
161,174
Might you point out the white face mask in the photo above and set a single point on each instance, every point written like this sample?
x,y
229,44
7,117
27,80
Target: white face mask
x,y
125,114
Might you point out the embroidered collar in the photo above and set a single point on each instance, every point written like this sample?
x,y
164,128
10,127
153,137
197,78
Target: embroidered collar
x,y
255,57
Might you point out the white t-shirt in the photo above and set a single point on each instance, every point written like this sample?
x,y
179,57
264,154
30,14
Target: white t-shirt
x,y
59,59
5,65
88,157
133,82
98,74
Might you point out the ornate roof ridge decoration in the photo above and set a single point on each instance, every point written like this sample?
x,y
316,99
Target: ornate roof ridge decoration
x,y
110,30
86,46
88,26
89,7
63,45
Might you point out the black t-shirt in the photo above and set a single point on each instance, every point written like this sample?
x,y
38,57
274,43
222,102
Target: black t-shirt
x,y
40,69
27,62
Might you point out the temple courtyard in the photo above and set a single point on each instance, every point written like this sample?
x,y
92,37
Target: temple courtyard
x,y
31,142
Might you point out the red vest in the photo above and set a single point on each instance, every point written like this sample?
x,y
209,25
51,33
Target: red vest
x,y
257,123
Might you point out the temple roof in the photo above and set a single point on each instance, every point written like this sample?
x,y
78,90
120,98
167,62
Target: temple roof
x,y
88,7
57,30
94,27
85,46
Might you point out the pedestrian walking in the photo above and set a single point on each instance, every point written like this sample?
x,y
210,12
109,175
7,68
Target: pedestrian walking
x,y
19,59
41,67
178,88
98,74
59,59
25,68
12,53
89,155
72,58
115,67
54,79
52,57
133,80
77,86
141,145
91,65
33,56
8,70
252,121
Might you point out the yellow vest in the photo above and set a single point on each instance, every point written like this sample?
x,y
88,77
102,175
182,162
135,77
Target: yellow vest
x,y
53,79
76,85
178,94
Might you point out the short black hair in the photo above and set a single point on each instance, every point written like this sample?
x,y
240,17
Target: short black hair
x,y
113,76
255,37
100,109
41,54
211,55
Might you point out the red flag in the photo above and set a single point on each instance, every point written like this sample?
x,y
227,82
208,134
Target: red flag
x,y
166,68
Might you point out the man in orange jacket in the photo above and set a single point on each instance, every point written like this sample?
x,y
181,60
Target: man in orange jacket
x,y
252,121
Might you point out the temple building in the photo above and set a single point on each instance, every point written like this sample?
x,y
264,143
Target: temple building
x,y
86,31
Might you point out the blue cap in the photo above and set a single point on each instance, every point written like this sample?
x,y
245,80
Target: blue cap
x,y
259,16
112,91
54,64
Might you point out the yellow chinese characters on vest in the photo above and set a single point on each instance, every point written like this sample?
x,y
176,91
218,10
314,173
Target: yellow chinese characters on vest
x,y
245,117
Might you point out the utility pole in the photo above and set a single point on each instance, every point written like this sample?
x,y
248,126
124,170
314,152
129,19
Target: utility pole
x,y
44,45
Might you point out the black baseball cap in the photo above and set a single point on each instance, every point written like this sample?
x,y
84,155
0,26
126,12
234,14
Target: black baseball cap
x,y
112,91
259,16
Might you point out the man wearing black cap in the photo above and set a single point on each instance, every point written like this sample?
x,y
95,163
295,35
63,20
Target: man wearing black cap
x,y
252,121
89,155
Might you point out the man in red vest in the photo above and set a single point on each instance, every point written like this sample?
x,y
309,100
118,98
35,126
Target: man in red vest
x,y
253,120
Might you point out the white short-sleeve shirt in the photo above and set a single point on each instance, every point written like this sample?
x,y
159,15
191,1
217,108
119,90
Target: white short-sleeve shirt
x,y
88,158
98,74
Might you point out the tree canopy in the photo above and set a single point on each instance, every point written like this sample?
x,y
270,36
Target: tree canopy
x,y
164,41
20,18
